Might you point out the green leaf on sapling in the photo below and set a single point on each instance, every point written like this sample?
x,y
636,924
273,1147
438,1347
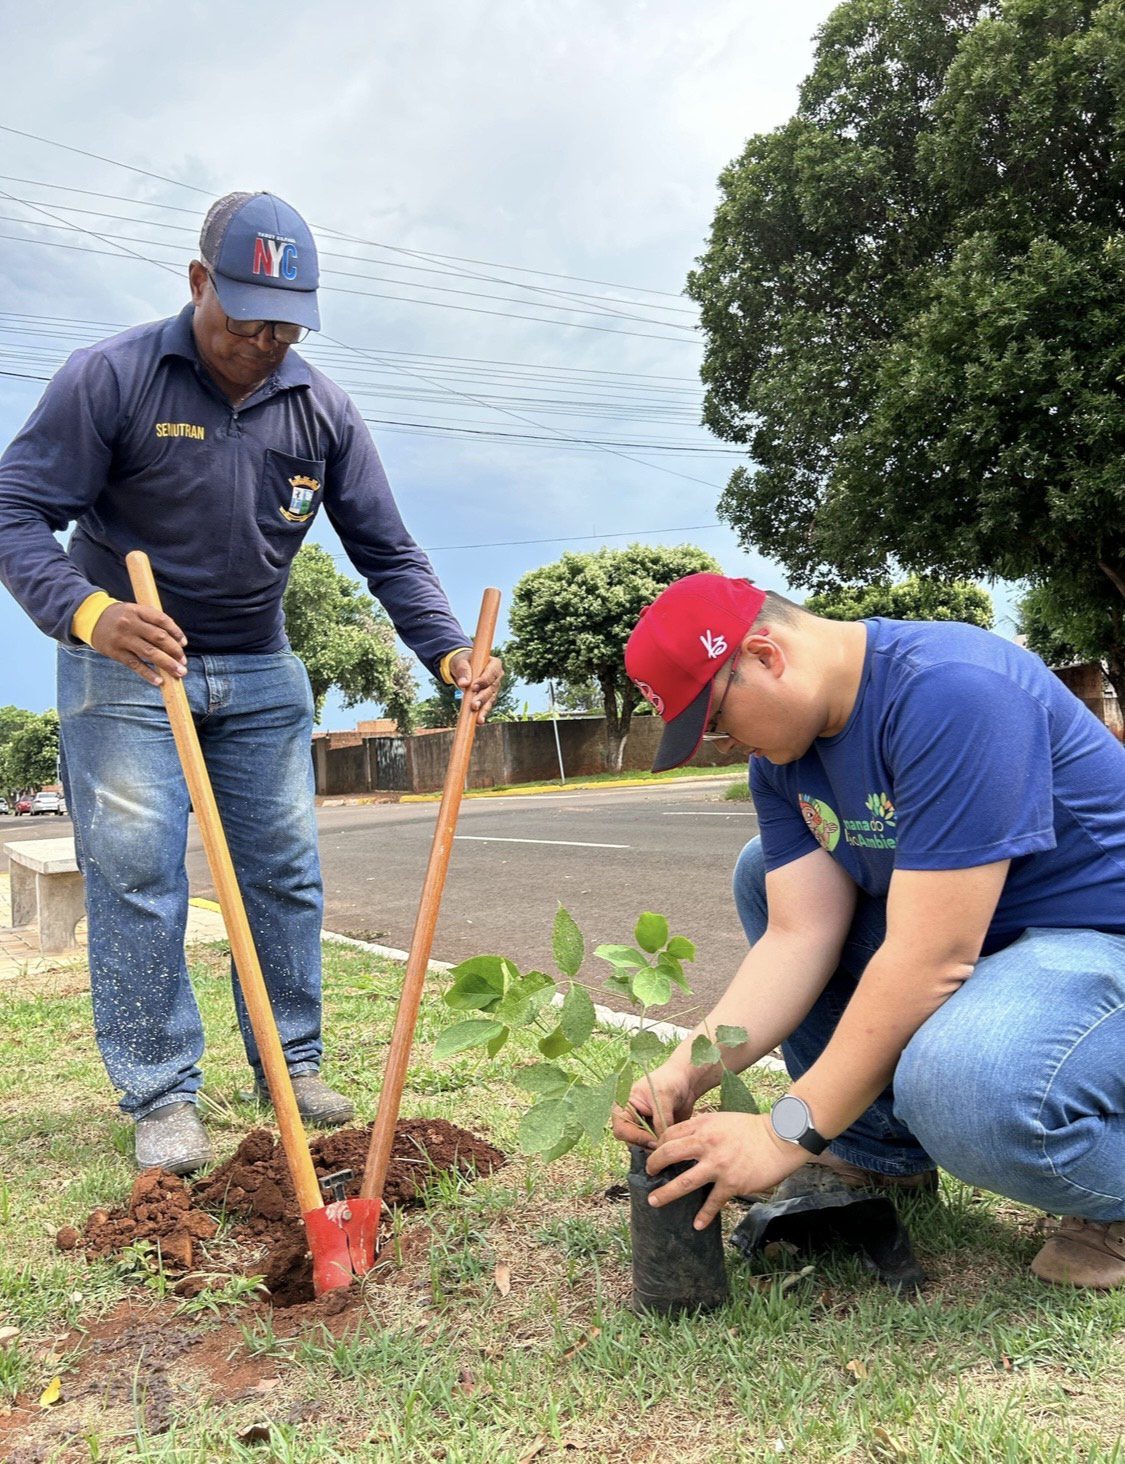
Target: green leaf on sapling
x,y
463,1035
515,1010
673,970
620,985
554,1044
730,1036
651,987
538,987
493,1047
734,1095
567,944
544,1125
577,1016
646,1048
572,1135
651,932
704,1052
477,984
543,1078
592,1106
626,1076
622,958
681,949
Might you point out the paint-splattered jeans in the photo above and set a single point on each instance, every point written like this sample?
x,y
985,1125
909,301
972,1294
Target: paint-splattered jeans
x,y
130,808
1016,1084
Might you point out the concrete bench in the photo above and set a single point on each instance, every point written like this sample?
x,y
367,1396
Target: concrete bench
x,y
46,887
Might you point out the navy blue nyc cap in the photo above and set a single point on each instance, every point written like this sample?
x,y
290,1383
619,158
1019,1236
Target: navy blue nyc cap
x,y
263,258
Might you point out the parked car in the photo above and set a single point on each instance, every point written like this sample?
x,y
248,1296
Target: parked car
x,y
23,805
4,806
46,802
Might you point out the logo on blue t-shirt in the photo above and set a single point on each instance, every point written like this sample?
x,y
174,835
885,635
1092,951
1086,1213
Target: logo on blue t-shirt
x,y
823,822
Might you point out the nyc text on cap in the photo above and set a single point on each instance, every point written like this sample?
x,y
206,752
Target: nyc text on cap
x,y
264,259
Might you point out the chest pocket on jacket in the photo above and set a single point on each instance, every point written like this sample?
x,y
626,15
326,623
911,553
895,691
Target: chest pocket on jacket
x,y
289,496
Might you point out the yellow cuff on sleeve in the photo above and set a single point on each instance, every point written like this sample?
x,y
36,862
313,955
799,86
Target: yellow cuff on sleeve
x,y
86,616
443,669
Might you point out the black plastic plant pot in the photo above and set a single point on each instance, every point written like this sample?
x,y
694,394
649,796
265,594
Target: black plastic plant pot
x,y
676,1268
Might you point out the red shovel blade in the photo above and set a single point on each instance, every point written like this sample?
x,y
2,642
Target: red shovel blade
x,y
343,1241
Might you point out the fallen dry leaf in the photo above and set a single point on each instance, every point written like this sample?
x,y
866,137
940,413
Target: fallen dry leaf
x,y
265,1385
8,1334
503,1278
585,1341
857,1369
257,1433
536,1449
791,1281
51,1393
890,1444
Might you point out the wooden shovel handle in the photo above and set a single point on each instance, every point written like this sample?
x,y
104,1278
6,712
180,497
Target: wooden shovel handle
x,y
410,999
250,978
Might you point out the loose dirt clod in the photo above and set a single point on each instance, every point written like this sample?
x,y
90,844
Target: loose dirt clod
x,y
254,1188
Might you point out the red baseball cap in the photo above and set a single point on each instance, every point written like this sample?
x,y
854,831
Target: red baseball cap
x,y
676,648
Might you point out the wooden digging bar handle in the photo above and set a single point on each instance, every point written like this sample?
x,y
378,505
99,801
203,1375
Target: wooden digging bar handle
x,y
250,978
394,1075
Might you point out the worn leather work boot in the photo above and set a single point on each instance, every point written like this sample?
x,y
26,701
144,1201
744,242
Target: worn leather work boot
x,y
925,1182
172,1138
1083,1253
317,1103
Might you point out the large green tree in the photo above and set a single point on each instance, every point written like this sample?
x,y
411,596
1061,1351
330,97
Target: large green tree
x,y
914,310
345,639
571,620
914,598
29,749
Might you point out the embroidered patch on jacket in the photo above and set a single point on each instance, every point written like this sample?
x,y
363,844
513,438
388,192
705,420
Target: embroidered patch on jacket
x,y
181,429
302,505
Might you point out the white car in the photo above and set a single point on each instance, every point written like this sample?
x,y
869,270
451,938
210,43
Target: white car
x,y
46,802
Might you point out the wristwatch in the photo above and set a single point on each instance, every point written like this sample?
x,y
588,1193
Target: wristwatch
x,y
792,1122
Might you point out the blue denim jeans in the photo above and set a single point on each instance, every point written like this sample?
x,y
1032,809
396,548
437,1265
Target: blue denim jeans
x,y
129,804
1016,1084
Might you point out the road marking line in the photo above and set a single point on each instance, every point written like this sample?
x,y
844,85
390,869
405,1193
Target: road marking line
x,y
699,813
566,843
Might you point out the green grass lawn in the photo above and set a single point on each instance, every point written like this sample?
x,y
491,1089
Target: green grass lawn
x,y
629,776
499,1329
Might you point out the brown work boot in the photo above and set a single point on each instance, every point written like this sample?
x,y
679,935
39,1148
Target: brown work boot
x,y
926,1182
1083,1253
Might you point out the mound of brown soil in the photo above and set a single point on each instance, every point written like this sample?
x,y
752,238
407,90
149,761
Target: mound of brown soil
x,y
254,1186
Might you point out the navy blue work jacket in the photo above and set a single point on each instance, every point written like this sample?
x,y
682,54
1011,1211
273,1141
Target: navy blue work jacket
x,y
134,443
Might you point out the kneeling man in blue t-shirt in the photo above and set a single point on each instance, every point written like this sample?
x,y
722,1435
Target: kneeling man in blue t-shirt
x,y
935,908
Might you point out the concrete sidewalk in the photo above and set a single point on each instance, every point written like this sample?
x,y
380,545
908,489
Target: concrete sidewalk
x,y
22,962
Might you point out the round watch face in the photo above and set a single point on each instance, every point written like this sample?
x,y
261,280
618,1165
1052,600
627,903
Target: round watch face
x,y
790,1118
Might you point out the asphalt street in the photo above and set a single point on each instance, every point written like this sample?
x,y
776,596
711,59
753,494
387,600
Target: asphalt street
x,y
605,855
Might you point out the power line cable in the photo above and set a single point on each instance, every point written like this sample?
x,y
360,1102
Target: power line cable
x,y
596,309
178,183
343,290
505,411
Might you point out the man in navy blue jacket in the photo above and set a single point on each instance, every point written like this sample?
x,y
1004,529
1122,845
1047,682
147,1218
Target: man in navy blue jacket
x,y
203,441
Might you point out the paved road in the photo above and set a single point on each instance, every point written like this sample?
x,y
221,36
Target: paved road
x,y
606,856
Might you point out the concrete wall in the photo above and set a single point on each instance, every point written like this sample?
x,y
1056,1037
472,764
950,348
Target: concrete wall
x,y
503,752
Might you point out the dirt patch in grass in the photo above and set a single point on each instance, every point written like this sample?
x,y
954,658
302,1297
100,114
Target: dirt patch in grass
x,y
146,1363
254,1187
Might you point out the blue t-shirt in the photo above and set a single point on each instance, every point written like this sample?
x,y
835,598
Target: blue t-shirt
x,y
962,749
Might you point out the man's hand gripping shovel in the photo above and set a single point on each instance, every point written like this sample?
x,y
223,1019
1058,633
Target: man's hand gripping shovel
x,y
343,1235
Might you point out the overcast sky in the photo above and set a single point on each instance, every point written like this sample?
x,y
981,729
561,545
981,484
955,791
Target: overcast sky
x,y
575,138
